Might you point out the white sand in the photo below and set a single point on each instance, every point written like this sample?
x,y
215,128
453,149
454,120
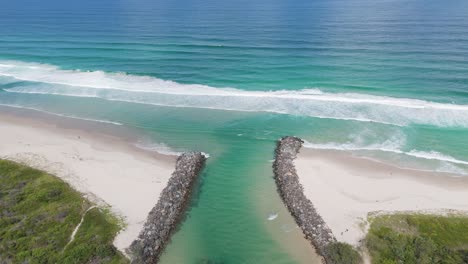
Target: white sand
x,y
108,170
344,189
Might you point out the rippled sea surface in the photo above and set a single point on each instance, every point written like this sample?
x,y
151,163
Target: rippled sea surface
x,y
386,79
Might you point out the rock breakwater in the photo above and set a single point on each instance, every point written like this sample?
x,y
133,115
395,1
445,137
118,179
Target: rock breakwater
x,y
292,193
169,210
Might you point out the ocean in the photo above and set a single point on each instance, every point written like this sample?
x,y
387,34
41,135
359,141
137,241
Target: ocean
x,y
384,79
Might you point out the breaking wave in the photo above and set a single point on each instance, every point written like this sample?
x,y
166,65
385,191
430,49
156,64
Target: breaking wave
x,y
432,155
48,79
394,145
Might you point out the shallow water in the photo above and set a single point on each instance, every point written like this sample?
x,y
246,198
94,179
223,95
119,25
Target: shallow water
x,y
385,79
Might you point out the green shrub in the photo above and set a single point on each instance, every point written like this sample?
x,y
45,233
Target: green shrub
x,y
38,213
342,253
419,239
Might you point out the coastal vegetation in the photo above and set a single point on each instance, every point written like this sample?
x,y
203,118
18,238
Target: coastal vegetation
x,y
342,253
38,214
418,238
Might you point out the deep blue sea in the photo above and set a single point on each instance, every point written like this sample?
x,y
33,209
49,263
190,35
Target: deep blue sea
x,y
386,79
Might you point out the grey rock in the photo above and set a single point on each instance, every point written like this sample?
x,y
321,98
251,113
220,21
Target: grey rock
x,y
291,191
165,216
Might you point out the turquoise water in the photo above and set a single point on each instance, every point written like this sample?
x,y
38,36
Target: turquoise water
x,y
385,79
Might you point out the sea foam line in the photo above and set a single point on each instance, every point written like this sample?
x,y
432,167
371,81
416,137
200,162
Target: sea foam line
x,y
121,81
49,79
200,107
62,115
162,148
157,147
432,155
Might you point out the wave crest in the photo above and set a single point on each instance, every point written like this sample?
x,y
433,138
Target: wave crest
x,y
448,163
49,79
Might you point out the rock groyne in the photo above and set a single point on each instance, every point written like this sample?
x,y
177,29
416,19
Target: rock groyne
x,y
169,210
291,191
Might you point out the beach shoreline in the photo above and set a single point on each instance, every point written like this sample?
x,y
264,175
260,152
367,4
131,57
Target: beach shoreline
x,y
106,167
346,190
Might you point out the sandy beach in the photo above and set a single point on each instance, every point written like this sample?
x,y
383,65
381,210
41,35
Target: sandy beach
x,y
109,171
346,189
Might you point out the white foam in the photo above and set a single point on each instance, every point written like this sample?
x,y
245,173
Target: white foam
x,y
308,102
434,155
158,147
388,147
162,148
205,154
272,217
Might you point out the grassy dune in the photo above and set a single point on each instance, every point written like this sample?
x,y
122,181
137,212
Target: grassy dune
x,y
38,213
418,239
